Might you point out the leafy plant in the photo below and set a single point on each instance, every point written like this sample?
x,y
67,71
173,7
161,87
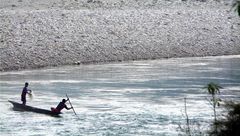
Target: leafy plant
x,y
236,5
214,90
230,125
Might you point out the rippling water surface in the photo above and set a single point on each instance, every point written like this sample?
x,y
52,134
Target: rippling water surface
x,y
129,98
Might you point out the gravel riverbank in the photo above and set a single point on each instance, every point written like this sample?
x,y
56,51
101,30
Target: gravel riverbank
x,y
36,34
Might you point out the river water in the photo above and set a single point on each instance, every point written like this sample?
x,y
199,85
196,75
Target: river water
x,y
127,98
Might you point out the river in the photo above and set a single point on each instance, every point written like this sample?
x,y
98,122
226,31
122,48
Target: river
x,y
127,98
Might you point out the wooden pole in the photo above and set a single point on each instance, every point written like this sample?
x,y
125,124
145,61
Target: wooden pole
x,y
71,105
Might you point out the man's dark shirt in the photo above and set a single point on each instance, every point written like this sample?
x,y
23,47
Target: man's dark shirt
x,y
60,106
24,92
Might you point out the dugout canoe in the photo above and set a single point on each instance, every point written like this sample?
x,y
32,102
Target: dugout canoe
x,y
21,107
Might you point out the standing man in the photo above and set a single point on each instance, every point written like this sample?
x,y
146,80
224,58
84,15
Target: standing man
x,y
25,91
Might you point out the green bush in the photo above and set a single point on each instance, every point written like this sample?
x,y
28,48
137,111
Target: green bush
x,y
230,125
236,5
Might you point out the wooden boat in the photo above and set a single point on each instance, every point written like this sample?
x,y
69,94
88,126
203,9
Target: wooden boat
x,y
21,107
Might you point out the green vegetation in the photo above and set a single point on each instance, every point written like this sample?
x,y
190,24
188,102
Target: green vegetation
x,y
236,5
214,90
230,125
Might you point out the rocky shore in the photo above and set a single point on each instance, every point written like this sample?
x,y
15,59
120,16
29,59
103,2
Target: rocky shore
x,y
36,34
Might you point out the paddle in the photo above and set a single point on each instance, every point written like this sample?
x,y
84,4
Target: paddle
x,y
71,105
